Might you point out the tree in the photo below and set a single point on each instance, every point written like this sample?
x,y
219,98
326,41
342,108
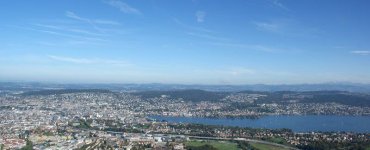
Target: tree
x,y
29,145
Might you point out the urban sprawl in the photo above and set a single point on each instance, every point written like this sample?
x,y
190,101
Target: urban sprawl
x,y
121,120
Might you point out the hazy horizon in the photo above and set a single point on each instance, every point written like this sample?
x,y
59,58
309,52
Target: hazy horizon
x,y
183,84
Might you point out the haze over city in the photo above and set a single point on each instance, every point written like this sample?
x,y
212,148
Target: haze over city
x,y
185,42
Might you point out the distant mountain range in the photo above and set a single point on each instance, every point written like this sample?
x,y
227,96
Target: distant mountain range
x,y
34,86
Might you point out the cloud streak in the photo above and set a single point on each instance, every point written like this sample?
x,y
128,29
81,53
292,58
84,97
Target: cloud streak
x,y
360,52
62,34
200,16
89,60
200,32
71,60
255,47
272,27
123,7
92,22
75,31
69,29
207,36
287,27
278,4
188,27
74,16
106,22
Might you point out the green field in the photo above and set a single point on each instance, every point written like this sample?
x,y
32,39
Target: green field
x,y
227,145
367,148
261,146
220,145
277,140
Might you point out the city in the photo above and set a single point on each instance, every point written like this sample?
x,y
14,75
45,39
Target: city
x,y
90,119
184,75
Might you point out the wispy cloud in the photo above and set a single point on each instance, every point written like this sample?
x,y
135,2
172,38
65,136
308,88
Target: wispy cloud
x,y
98,21
208,36
73,31
287,27
92,22
265,48
268,26
106,22
63,34
124,7
200,32
76,33
278,4
74,16
249,47
49,26
360,52
200,16
193,28
85,32
69,29
89,60
70,59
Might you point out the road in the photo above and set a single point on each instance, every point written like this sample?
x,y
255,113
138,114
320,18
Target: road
x,y
232,139
244,139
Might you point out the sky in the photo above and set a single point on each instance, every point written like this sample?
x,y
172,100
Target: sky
x,y
185,41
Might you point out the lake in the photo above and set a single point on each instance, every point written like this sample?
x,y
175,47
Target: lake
x,y
304,123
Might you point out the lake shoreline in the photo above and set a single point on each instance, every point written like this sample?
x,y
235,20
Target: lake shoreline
x,y
297,123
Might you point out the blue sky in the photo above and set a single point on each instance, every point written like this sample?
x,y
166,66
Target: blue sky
x,y
185,41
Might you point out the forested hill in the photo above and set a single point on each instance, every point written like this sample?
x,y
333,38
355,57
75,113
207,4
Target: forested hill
x,y
280,97
347,98
341,97
187,95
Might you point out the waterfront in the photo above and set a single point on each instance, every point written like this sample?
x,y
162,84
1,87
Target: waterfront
x,y
301,123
